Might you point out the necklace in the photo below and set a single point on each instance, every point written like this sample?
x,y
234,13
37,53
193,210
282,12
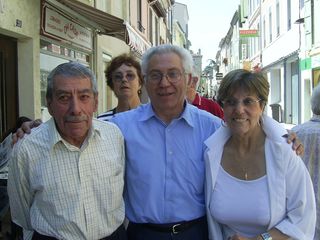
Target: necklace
x,y
246,176
245,173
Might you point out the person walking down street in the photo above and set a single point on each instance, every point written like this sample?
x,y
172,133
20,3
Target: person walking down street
x,y
201,102
124,77
67,176
164,152
256,186
309,134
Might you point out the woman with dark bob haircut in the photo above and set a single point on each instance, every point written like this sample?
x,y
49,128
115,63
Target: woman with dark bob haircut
x,y
257,188
124,77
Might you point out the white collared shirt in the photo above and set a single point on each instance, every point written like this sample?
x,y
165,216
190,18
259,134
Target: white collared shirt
x,y
291,196
65,192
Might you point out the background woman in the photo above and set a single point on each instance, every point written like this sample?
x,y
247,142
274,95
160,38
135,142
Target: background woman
x,y
124,77
257,188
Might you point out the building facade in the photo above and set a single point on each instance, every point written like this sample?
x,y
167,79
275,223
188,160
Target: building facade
x,y
37,35
282,39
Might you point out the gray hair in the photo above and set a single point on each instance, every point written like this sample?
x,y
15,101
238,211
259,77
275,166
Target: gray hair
x,y
70,69
184,54
315,100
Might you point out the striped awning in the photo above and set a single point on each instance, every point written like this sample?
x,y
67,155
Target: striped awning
x,y
135,41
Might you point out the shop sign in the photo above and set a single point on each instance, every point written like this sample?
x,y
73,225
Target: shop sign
x,y
249,33
57,25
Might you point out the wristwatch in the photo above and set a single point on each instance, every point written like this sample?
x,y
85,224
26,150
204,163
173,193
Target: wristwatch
x,y
266,236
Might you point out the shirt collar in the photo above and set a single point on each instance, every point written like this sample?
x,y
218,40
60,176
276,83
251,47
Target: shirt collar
x,y
271,128
55,136
186,114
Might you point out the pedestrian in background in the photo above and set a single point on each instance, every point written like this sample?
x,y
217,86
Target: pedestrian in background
x,y
124,77
201,102
66,177
256,186
309,134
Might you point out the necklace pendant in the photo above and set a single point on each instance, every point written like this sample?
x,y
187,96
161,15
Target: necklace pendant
x,y
246,176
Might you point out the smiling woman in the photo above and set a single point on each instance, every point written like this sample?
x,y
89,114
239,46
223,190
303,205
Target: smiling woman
x,y
244,199
124,77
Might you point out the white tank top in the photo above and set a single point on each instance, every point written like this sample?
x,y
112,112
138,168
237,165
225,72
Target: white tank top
x,y
243,206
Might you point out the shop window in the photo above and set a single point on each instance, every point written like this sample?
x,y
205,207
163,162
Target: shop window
x,y
51,55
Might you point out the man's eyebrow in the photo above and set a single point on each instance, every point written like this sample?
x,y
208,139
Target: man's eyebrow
x,y
60,91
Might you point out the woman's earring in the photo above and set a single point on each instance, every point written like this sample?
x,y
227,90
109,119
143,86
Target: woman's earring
x,y
139,92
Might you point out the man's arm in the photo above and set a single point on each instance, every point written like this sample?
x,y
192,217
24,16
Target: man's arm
x,y
297,145
25,128
20,197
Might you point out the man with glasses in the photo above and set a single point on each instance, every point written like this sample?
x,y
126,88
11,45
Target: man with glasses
x,y
164,192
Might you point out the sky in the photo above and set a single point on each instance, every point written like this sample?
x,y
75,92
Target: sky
x,y
209,22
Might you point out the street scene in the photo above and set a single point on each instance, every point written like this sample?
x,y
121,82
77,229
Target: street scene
x,y
128,119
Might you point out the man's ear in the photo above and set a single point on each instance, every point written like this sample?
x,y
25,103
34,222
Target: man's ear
x,y
189,79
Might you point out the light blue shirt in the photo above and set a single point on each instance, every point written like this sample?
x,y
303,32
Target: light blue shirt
x,y
164,164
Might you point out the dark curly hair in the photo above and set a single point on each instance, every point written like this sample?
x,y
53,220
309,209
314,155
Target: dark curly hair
x,y
116,62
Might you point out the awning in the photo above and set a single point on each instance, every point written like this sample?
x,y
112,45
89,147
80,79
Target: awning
x,y
135,41
105,23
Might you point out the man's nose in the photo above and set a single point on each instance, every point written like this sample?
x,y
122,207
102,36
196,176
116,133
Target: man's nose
x,y
164,80
75,106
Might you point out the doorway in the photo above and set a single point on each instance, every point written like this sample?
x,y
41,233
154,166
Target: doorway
x,y
8,84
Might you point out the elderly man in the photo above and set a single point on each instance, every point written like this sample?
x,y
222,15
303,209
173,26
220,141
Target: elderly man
x,y
309,134
66,177
164,193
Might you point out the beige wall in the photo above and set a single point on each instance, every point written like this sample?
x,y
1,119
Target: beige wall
x,y
111,47
28,50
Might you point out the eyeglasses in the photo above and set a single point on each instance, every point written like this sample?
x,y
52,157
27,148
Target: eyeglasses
x,y
247,102
118,77
172,76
